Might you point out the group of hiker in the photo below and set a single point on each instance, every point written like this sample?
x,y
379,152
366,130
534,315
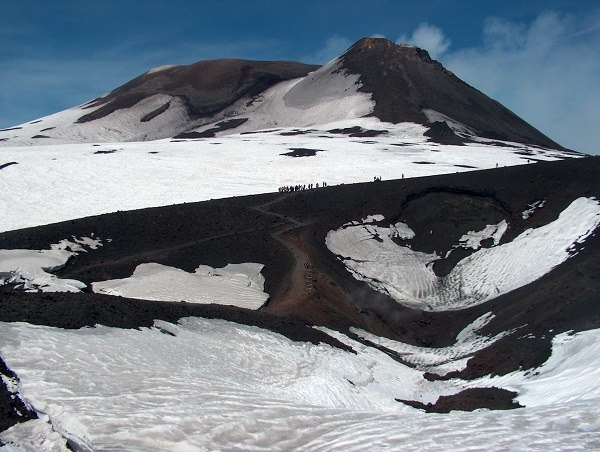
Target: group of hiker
x,y
300,187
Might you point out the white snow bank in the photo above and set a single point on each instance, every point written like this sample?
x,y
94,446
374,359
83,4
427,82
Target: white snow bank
x,y
214,382
32,267
235,284
445,359
407,276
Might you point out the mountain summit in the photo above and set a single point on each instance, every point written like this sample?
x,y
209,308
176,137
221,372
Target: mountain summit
x,y
408,86
374,77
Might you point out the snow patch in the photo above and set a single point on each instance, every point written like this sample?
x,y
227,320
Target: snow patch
x,y
435,116
366,220
532,208
235,284
33,268
473,239
401,231
161,68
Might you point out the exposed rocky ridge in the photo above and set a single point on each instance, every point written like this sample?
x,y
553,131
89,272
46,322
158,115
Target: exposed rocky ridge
x,y
404,81
12,408
206,87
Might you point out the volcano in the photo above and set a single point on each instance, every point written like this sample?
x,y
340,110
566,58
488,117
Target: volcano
x,y
272,255
373,78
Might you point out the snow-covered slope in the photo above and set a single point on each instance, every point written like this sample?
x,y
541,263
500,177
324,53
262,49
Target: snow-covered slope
x,y
94,179
327,95
101,388
121,125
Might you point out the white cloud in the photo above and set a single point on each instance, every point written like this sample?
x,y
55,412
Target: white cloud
x,y
428,37
546,71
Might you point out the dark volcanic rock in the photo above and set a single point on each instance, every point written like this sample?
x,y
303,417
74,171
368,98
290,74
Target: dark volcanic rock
x,y
440,132
5,165
153,114
210,133
302,152
12,408
404,81
358,132
469,400
206,87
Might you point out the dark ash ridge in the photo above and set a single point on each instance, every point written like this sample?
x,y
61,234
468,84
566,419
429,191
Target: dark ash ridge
x,y
404,81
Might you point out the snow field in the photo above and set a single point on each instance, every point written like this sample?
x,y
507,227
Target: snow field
x,y
406,275
136,175
142,389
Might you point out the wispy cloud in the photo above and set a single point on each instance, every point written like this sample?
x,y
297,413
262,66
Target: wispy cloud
x,y
428,37
547,71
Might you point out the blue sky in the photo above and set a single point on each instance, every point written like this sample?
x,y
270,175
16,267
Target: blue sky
x,y
541,59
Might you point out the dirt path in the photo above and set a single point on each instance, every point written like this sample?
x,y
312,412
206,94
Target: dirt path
x,y
300,285
309,292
